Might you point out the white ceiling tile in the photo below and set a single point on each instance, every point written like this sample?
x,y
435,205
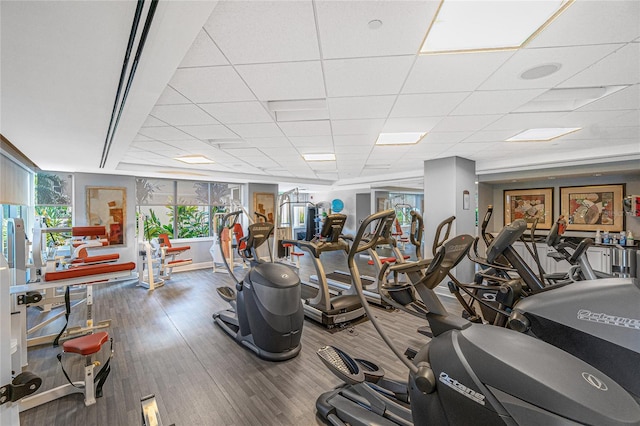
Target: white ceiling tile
x,y
411,124
463,123
170,96
203,53
366,76
256,130
357,127
589,118
360,107
489,136
353,149
238,112
245,152
306,128
280,142
152,146
620,67
264,31
427,105
164,133
211,84
592,22
182,115
453,73
283,81
153,122
445,138
529,120
209,132
572,59
302,115
628,98
354,140
631,118
322,142
495,102
344,30
140,137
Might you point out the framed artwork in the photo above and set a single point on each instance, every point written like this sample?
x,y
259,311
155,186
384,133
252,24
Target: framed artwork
x,y
529,204
265,203
589,208
107,206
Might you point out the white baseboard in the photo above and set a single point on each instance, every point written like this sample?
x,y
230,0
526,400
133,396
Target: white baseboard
x,y
193,267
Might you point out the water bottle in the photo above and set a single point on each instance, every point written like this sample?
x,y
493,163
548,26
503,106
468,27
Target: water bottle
x,y
598,237
630,240
623,239
605,238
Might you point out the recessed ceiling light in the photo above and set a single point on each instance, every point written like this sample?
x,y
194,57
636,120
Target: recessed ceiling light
x,y
399,138
461,26
542,135
374,24
297,105
319,157
540,71
194,159
568,99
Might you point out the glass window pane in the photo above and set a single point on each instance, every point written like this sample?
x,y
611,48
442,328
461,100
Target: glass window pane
x,y
157,220
154,192
220,193
193,221
53,189
193,193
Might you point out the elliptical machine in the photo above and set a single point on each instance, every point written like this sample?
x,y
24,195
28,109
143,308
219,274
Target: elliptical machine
x,y
468,373
267,314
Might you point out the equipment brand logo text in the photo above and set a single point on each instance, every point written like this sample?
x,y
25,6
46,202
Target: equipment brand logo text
x,y
602,318
460,388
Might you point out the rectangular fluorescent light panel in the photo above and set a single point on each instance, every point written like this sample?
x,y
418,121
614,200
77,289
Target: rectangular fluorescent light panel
x,y
297,105
568,99
399,138
319,157
461,26
542,135
194,159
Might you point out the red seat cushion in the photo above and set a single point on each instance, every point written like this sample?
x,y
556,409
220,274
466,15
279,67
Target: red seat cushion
x,y
96,259
180,261
86,345
177,249
89,270
88,231
296,253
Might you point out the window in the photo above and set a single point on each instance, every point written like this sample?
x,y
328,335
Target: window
x,y
182,209
53,194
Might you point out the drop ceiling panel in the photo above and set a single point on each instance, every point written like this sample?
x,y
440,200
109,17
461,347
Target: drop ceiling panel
x,y
245,152
321,142
529,120
209,132
357,127
344,30
170,96
283,81
182,115
573,60
354,140
631,118
471,123
211,84
203,53
280,142
592,22
628,98
489,136
495,102
256,130
264,31
164,133
453,73
620,67
152,146
359,107
140,137
589,118
412,124
238,112
366,76
306,128
427,105
445,138
153,122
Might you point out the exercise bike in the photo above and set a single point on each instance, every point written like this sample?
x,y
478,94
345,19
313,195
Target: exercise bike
x,y
266,312
469,373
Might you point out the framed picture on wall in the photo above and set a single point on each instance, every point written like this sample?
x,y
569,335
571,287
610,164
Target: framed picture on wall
x,y
529,204
265,204
589,208
107,206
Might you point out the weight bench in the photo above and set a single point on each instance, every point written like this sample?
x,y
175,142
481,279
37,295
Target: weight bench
x,y
91,386
168,256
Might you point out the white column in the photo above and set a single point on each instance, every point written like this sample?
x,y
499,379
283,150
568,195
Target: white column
x,y
445,182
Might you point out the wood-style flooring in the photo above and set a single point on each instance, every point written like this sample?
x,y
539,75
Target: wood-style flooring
x,y
166,343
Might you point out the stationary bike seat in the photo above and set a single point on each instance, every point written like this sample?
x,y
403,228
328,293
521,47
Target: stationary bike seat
x,y
226,293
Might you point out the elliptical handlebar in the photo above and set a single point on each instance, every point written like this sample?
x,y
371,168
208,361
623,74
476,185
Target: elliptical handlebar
x,y
224,220
417,229
507,236
485,222
437,241
223,224
359,245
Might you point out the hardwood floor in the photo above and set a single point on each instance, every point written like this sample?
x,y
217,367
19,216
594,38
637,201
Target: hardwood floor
x,y
166,343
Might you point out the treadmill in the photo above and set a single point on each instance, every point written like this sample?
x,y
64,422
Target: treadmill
x,y
342,280
318,303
